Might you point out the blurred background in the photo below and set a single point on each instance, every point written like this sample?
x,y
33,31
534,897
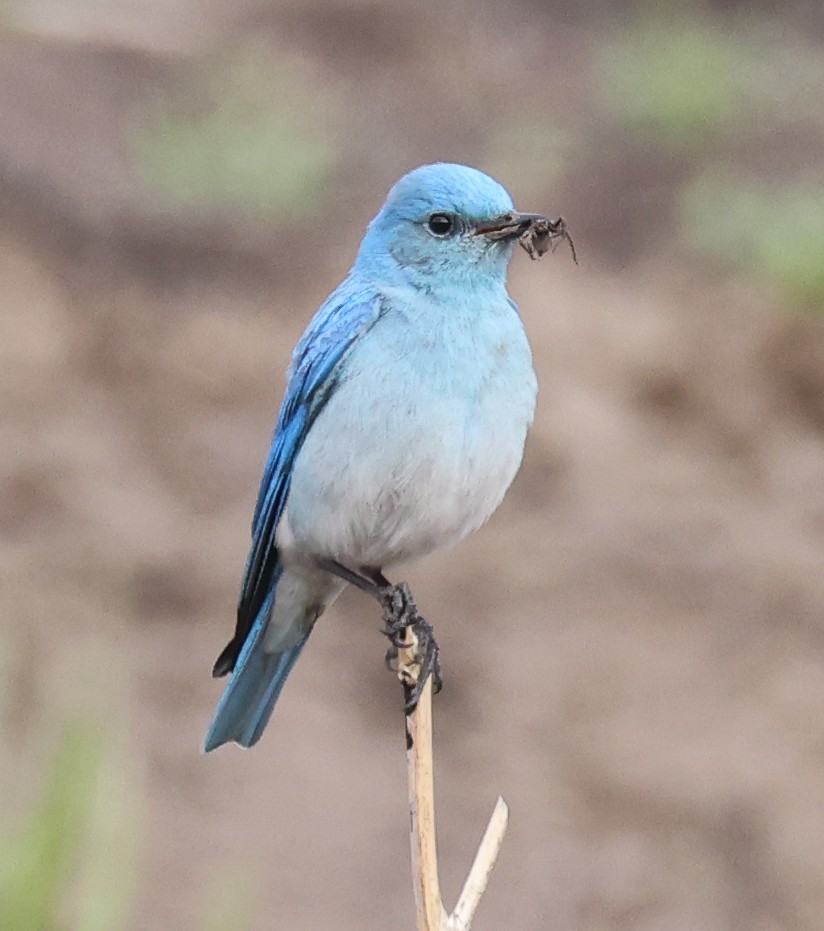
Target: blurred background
x,y
633,647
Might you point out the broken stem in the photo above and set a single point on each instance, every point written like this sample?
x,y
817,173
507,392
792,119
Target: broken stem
x,y
431,915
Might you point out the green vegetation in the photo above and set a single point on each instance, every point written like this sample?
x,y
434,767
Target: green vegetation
x,y
247,144
71,863
672,81
772,231
713,94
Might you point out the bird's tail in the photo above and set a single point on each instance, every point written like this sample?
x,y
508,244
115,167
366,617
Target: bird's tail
x,y
246,705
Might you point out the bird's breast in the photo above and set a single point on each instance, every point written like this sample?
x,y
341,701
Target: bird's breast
x,y
420,440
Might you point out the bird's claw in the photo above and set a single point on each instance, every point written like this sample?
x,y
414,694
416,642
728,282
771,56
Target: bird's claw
x,y
401,615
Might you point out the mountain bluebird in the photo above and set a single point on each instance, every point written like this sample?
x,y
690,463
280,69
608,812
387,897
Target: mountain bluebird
x,y
407,407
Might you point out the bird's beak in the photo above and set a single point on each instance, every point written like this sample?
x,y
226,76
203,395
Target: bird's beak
x,y
509,225
536,233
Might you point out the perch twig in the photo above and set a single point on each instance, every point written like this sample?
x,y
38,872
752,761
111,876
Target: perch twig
x,y
431,914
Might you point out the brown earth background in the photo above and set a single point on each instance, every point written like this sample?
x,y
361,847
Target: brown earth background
x,y
632,647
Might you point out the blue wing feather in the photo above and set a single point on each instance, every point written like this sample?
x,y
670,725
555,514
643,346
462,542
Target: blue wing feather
x,y
349,312
257,675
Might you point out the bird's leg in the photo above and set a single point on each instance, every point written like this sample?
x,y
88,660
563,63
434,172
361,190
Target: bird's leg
x,y
400,614
364,582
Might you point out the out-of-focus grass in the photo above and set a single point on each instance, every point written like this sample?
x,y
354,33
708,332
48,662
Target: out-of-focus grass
x,y
107,874
671,80
36,864
681,83
715,94
248,145
774,232
71,863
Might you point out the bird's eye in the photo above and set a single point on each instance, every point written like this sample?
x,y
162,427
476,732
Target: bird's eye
x,y
441,224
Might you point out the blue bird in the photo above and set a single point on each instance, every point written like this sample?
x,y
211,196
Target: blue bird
x,y
408,403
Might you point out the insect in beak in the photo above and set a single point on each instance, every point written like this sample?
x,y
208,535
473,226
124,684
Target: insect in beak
x,y
536,234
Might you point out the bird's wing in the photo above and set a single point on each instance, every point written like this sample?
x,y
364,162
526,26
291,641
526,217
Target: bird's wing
x,y
316,364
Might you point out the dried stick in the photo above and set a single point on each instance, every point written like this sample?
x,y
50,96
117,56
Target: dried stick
x,y
431,915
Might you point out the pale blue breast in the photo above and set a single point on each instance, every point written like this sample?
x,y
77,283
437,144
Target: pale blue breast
x,y
422,437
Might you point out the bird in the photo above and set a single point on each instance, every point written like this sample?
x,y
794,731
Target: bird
x,y
408,402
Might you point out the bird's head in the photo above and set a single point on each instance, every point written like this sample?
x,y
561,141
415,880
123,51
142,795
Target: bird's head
x,y
442,227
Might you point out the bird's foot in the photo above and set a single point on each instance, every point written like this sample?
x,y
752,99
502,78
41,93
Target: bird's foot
x,y
402,618
405,627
